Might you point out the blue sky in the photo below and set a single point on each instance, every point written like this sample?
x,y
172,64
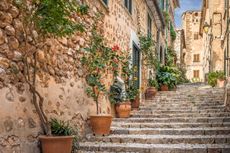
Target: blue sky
x,y
184,6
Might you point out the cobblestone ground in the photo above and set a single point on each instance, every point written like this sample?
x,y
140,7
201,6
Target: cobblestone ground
x,y
192,119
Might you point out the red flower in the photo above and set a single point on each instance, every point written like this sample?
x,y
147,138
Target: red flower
x,y
115,48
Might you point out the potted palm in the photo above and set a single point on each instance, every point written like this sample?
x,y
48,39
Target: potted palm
x,y
61,140
118,96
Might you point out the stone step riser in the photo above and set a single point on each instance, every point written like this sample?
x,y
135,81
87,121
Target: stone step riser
x,y
135,149
162,140
173,132
184,125
171,120
184,109
181,104
178,111
177,115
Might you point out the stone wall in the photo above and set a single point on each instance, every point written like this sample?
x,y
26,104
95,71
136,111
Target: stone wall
x,y
60,76
191,26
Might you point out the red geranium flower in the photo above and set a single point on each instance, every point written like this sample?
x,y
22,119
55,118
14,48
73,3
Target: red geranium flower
x,y
115,48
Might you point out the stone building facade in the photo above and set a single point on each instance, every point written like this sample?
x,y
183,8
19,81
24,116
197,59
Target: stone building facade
x,y
61,79
213,13
194,54
180,47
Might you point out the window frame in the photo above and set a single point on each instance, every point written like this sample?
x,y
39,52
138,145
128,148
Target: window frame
x,y
196,74
149,25
196,58
129,5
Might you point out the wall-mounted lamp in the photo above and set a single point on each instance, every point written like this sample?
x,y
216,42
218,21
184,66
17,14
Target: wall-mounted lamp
x,y
206,27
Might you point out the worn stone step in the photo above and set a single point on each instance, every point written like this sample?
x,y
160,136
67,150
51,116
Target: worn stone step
x,y
184,108
173,131
162,139
181,104
225,114
153,148
169,125
176,119
180,111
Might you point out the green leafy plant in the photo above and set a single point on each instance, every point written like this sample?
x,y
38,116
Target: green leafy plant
x,y
172,33
165,77
213,76
61,128
153,83
97,60
116,94
148,51
166,17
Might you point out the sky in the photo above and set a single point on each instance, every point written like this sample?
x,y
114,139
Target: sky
x,y
186,5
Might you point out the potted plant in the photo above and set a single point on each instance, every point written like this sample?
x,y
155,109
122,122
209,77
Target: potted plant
x,y
166,81
62,138
220,79
118,96
98,60
40,21
133,93
152,89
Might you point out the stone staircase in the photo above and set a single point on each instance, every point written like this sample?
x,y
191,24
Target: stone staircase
x,y
192,119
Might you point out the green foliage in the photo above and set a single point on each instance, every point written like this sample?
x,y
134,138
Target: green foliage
x,y
54,17
148,51
132,91
166,17
116,94
97,61
170,56
61,128
213,76
172,33
153,83
166,77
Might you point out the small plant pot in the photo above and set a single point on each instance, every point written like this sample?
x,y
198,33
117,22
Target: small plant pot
x,y
135,103
123,110
164,88
101,124
56,144
150,93
220,83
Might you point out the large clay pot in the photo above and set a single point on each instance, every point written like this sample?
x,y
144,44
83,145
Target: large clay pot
x,y
56,144
101,124
123,109
164,88
135,103
220,83
150,93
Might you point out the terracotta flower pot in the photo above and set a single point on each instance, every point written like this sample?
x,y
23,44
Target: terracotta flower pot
x,y
164,88
123,110
135,103
56,144
101,124
150,93
220,83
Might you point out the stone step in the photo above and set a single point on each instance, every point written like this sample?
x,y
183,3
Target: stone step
x,y
181,104
169,125
155,115
153,148
173,131
162,139
180,111
183,108
175,119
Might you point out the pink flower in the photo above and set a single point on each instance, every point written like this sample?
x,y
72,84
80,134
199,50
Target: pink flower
x,y
115,48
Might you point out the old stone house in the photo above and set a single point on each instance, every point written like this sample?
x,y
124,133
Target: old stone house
x,y
194,54
61,79
213,13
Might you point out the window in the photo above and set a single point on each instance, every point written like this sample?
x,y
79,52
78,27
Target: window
x,y
149,28
128,5
196,58
196,74
105,1
196,36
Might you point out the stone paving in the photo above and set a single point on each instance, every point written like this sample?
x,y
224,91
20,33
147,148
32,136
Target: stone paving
x,y
192,119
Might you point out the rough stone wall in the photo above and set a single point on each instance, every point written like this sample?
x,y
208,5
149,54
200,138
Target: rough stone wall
x,y
60,77
178,45
191,25
60,81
